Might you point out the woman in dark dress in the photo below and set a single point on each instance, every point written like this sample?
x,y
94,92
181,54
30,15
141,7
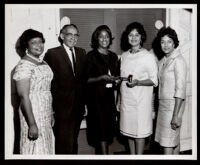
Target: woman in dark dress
x,y
102,72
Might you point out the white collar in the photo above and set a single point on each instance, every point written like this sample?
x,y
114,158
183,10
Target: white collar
x,y
68,49
69,53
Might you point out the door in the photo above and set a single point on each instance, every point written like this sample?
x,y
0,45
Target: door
x,y
181,21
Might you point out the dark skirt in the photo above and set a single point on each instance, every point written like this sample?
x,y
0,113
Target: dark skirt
x,y
101,118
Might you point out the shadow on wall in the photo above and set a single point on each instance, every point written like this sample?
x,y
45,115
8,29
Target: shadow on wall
x,y
15,102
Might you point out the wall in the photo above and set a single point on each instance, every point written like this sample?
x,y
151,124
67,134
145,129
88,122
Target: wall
x,y
19,18
117,19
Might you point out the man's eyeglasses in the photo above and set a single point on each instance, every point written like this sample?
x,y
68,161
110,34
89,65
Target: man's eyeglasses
x,y
71,35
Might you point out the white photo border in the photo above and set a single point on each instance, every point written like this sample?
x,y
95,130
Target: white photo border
x,y
121,157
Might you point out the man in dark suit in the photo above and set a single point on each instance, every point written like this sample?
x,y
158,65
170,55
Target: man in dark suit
x,y
68,64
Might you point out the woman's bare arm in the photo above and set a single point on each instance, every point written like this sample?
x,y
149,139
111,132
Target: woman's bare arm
x,y
23,88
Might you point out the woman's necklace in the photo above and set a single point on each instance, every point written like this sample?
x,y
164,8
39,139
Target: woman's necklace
x,y
133,51
34,58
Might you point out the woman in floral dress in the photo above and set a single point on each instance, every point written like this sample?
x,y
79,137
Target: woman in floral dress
x,y
33,80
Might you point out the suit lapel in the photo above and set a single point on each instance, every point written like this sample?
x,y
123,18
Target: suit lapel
x,y
170,59
168,62
161,67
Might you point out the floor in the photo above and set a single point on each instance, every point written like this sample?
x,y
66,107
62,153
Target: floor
x,y
85,149
119,146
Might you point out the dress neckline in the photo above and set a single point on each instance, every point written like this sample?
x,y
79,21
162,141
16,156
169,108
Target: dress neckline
x,y
41,64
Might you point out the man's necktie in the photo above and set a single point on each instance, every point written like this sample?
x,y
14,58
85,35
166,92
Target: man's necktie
x,y
73,61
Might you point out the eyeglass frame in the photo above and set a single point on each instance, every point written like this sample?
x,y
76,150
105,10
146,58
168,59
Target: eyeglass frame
x,y
71,35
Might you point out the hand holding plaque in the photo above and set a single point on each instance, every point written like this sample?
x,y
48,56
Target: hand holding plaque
x,y
118,80
129,78
132,82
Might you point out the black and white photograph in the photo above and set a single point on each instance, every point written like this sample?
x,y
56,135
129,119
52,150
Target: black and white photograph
x,y
100,81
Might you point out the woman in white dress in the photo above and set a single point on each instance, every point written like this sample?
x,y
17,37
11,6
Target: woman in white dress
x,y
33,81
172,91
136,96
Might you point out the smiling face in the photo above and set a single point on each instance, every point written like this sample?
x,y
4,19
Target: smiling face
x,y
104,39
69,36
134,38
167,45
35,46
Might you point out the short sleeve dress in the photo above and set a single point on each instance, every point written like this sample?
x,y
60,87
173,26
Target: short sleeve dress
x,y
136,103
41,100
100,98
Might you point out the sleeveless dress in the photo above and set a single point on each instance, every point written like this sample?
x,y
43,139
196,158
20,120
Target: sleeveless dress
x,y
41,100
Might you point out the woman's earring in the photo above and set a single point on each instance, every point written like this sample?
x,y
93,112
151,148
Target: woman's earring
x,y
140,43
26,51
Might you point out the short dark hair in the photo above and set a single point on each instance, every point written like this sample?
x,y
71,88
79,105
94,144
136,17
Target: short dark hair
x,y
63,28
27,35
96,33
171,33
124,38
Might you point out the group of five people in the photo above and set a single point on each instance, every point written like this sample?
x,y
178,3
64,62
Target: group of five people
x,y
54,90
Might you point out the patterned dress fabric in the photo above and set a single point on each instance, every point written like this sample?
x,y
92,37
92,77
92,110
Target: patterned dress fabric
x,y
41,100
136,102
